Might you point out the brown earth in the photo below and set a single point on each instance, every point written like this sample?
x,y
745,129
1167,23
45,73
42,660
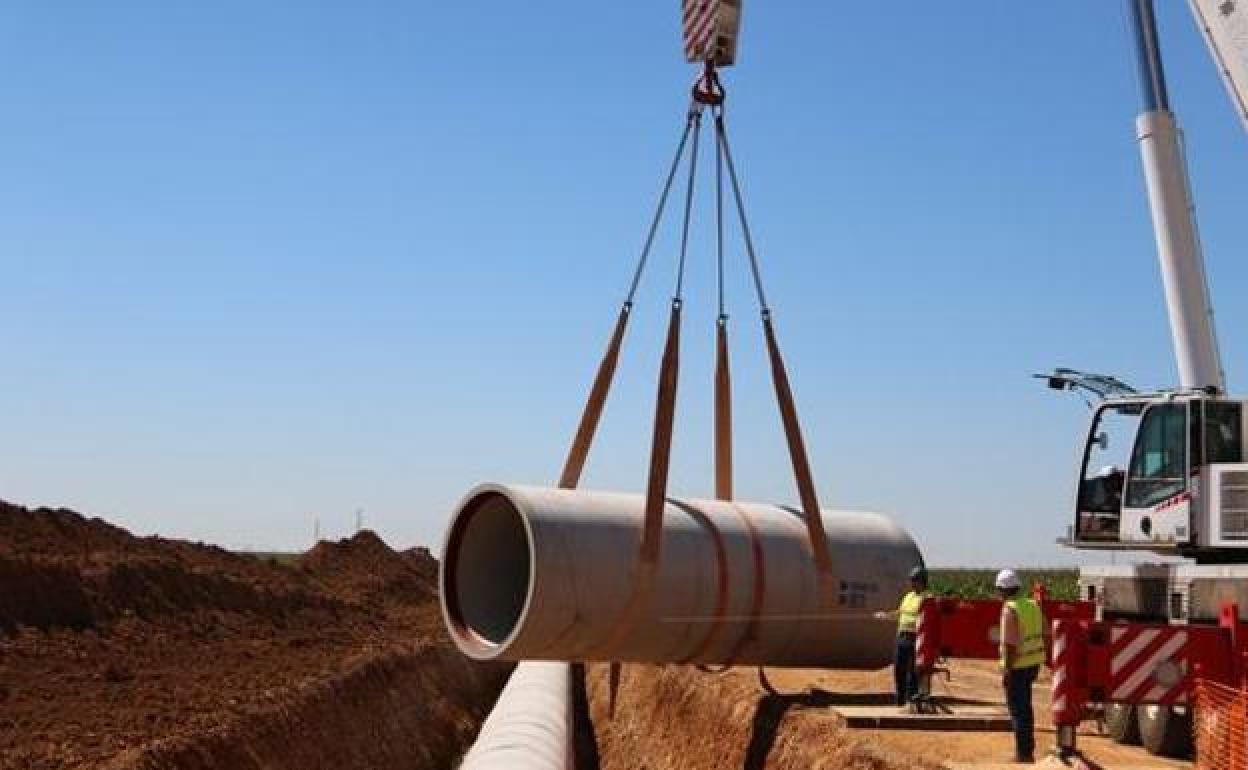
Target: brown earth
x,y
129,653
680,718
126,652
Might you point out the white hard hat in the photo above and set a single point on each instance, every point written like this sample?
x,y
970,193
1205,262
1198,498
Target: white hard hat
x,y
1008,578
1108,470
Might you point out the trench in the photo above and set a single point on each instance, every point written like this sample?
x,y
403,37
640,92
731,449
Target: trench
x,y
679,718
413,709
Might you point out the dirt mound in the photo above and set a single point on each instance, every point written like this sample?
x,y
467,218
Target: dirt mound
x,y
423,562
57,531
359,552
149,652
679,718
364,568
59,569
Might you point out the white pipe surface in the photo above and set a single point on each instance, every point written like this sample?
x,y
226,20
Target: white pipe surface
x,y
530,727
1178,248
531,573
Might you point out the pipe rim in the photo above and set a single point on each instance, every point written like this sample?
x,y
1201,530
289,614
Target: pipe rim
x,y
469,641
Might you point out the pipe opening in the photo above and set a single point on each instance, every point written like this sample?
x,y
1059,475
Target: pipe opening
x,y
487,572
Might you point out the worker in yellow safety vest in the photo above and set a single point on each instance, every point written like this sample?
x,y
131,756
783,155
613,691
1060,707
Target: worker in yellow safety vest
x,y
907,614
1022,653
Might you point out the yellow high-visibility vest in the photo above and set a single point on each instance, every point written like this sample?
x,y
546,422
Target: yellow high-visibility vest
x,y
908,612
1030,650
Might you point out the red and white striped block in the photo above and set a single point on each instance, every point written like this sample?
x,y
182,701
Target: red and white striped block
x,y
926,636
1066,706
699,22
1148,664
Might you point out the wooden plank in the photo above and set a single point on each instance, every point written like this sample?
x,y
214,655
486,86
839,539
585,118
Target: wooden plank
x,y
889,718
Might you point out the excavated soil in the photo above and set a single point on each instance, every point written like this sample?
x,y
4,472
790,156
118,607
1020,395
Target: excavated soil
x,y
680,718
126,652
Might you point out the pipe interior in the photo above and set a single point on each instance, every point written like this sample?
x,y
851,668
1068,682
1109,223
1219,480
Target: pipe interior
x,y
490,568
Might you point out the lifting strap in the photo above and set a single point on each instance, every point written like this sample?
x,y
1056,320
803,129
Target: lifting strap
x,y
661,443
592,413
642,588
669,374
723,413
575,463
723,371
780,379
590,416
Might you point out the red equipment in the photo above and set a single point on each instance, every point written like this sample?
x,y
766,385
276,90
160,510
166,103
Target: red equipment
x,y
1092,661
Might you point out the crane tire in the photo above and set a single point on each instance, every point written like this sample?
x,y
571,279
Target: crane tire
x,y
1121,723
1164,731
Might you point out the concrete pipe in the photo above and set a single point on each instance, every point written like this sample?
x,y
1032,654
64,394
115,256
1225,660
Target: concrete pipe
x,y
551,574
530,727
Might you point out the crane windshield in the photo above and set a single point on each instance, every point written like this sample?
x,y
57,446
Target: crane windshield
x,y
1159,462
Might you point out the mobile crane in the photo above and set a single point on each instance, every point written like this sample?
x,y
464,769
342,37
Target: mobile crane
x,y
1164,472
1167,471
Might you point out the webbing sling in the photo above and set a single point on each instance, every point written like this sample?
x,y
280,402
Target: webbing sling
x,y
723,371
592,413
784,393
661,441
723,414
575,463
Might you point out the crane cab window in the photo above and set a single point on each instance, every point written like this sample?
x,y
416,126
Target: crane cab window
x,y
1217,432
1158,468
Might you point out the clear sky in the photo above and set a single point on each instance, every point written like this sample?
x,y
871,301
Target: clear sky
x,y
262,263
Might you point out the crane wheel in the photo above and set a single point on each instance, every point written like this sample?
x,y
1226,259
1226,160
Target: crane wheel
x,y
1121,723
1164,731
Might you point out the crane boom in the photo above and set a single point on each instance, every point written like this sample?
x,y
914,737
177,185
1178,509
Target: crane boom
x,y
1174,223
1224,24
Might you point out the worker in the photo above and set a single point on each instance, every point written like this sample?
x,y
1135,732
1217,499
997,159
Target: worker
x,y
1022,652
907,614
1112,478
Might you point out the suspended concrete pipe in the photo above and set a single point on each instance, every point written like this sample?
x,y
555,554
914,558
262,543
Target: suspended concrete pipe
x,y
530,727
530,573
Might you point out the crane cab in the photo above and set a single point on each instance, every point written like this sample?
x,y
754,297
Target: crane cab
x,y
1164,472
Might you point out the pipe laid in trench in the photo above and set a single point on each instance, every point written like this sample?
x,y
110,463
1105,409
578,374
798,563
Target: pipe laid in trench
x,y
530,573
530,726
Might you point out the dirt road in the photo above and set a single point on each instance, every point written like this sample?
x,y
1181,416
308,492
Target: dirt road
x,y
971,681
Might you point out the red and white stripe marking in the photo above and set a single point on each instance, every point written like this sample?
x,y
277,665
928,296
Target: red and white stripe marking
x,y
1063,705
699,19
1178,499
1148,665
925,652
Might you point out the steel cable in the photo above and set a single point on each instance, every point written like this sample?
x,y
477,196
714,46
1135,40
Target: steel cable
x,y
658,211
721,134
695,118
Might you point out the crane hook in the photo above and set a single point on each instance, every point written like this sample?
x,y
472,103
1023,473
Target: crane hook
x,y
707,89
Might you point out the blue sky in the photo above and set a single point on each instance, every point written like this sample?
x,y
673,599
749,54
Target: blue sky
x,y
263,263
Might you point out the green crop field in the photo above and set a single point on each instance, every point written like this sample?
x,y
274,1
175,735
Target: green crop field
x,y
977,583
